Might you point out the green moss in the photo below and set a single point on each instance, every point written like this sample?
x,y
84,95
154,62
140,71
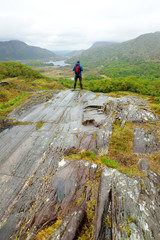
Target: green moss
x,y
39,125
108,221
128,231
122,227
30,183
80,199
129,219
46,233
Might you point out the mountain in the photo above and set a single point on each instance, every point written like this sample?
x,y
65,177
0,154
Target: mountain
x,y
101,44
17,50
145,47
75,53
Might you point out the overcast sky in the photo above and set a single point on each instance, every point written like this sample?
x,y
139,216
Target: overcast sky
x,y
71,24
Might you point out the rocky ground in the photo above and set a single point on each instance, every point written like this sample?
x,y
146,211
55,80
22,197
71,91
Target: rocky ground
x,y
46,195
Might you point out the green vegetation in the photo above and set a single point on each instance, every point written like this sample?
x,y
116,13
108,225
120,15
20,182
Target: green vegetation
x,y
46,233
93,77
124,68
86,155
131,83
110,163
39,125
15,69
89,154
19,90
21,82
8,105
124,164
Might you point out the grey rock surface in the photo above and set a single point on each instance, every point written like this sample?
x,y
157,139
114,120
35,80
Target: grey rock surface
x,y
145,141
38,185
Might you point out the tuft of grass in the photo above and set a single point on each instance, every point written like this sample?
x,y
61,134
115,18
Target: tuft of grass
x,y
131,171
88,154
110,163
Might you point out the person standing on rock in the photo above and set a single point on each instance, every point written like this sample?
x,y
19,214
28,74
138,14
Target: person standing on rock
x,y
78,69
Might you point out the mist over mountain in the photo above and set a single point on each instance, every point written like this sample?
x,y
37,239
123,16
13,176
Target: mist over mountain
x,y
101,44
17,50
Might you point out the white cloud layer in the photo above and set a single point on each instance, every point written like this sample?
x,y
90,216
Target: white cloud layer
x,y
70,24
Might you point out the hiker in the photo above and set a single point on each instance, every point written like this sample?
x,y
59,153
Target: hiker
x,y
77,69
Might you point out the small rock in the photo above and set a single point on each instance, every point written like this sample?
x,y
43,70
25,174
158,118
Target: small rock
x,y
143,166
4,83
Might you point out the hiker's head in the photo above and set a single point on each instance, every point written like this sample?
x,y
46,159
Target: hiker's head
x,y
78,61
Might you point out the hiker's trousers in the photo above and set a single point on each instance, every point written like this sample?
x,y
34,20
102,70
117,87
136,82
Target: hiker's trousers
x,y
80,80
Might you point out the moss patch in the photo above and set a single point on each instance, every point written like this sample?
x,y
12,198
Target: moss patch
x,y
39,125
46,233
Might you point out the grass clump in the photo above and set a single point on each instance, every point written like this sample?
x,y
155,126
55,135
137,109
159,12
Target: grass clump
x,y
88,154
110,163
131,171
85,155
122,162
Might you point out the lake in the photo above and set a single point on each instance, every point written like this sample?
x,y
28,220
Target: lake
x,y
59,63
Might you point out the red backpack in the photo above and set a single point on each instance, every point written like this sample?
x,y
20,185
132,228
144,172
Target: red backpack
x,y
77,69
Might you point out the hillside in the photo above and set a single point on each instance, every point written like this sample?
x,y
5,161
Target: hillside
x,y
145,47
17,50
15,69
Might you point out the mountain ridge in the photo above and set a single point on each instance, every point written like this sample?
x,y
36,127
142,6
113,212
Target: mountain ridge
x,y
18,50
145,47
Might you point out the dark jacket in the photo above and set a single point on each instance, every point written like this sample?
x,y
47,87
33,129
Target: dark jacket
x,y
78,75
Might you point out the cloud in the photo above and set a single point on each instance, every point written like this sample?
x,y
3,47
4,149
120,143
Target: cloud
x,y
76,25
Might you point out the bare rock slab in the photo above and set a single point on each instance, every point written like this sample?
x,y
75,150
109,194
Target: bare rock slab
x,y
38,185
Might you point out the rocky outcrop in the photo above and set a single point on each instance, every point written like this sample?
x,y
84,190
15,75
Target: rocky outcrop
x,y
38,186
146,141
